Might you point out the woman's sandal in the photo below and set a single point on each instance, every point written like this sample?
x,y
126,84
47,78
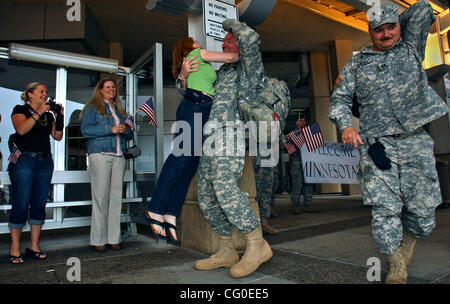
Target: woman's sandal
x,y
16,259
155,222
35,255
170,238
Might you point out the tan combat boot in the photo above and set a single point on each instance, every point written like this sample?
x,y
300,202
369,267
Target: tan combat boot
x,y
266,228
257,252
397,269
407,247
226,257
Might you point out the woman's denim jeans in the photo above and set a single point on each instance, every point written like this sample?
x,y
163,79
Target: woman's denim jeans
x,y
30,180
178,171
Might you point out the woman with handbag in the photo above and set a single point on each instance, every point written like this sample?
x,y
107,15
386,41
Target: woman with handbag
x,y
177,172
102,122
31,173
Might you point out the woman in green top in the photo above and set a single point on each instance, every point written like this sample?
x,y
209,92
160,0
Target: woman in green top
x,y
177,172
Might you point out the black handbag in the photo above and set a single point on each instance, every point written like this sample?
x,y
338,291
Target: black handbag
x,y
132,152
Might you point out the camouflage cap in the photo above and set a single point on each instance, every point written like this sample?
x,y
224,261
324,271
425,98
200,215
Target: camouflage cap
x,y
379,15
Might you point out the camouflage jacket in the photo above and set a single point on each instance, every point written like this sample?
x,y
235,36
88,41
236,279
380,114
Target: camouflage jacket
x,y
391,86
225,106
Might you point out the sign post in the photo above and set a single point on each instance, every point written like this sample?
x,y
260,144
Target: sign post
x,y
214,13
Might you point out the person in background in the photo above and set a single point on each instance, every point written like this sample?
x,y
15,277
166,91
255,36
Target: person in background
x,y
31,173
275,173
264,180
299,185
177,172
102,123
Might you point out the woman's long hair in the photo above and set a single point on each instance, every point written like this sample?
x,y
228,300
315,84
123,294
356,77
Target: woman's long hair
x,y
180,49
98,101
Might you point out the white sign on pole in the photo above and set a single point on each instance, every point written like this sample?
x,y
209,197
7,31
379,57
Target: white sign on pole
x,y
333,163
214,13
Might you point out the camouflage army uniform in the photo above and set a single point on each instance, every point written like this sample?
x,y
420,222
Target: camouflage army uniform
x,y
264,180
298,181
223,204
395,103
275,174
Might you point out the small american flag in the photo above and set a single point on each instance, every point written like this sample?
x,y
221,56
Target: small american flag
x,y
289,145
297,137
313,137
15,153
130,123
148,109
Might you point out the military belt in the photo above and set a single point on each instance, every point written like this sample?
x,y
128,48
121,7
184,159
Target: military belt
x,y
403,135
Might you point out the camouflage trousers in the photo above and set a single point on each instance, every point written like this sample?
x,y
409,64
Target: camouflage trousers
x,y
221,201
404,196
298,183
264,179
275,185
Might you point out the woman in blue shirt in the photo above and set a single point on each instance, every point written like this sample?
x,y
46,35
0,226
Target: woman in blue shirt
x,y
102,122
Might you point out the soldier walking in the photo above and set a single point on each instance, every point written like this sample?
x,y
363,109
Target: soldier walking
x,y
399,180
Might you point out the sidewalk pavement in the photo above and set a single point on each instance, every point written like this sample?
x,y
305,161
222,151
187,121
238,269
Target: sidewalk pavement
x,y
328,244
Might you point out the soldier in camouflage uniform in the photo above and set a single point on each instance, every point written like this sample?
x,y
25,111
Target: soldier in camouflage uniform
x,y
264,180
275,173
396,101
299,185
223,204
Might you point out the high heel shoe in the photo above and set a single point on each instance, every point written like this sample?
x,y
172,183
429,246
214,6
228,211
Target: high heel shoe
x,y
170,238
35,255
152,222
16,260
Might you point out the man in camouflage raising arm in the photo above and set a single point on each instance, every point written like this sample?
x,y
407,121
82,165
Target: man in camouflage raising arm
x,y
397,159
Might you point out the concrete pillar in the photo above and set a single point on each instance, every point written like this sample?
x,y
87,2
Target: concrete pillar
x,y
439,130
320,90
115,51
340,52
196,232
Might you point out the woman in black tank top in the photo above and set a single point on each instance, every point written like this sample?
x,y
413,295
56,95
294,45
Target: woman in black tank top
x,y
31,167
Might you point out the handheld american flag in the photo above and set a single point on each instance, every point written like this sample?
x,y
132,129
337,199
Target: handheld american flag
x,y
15,153
130,123
313,137
148,109
297,137
289,145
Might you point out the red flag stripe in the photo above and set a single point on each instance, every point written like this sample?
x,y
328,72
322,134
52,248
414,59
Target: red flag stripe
x,y
297,139
150,113
312,141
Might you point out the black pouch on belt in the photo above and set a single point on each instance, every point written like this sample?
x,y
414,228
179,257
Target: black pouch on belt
x,y
378,154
